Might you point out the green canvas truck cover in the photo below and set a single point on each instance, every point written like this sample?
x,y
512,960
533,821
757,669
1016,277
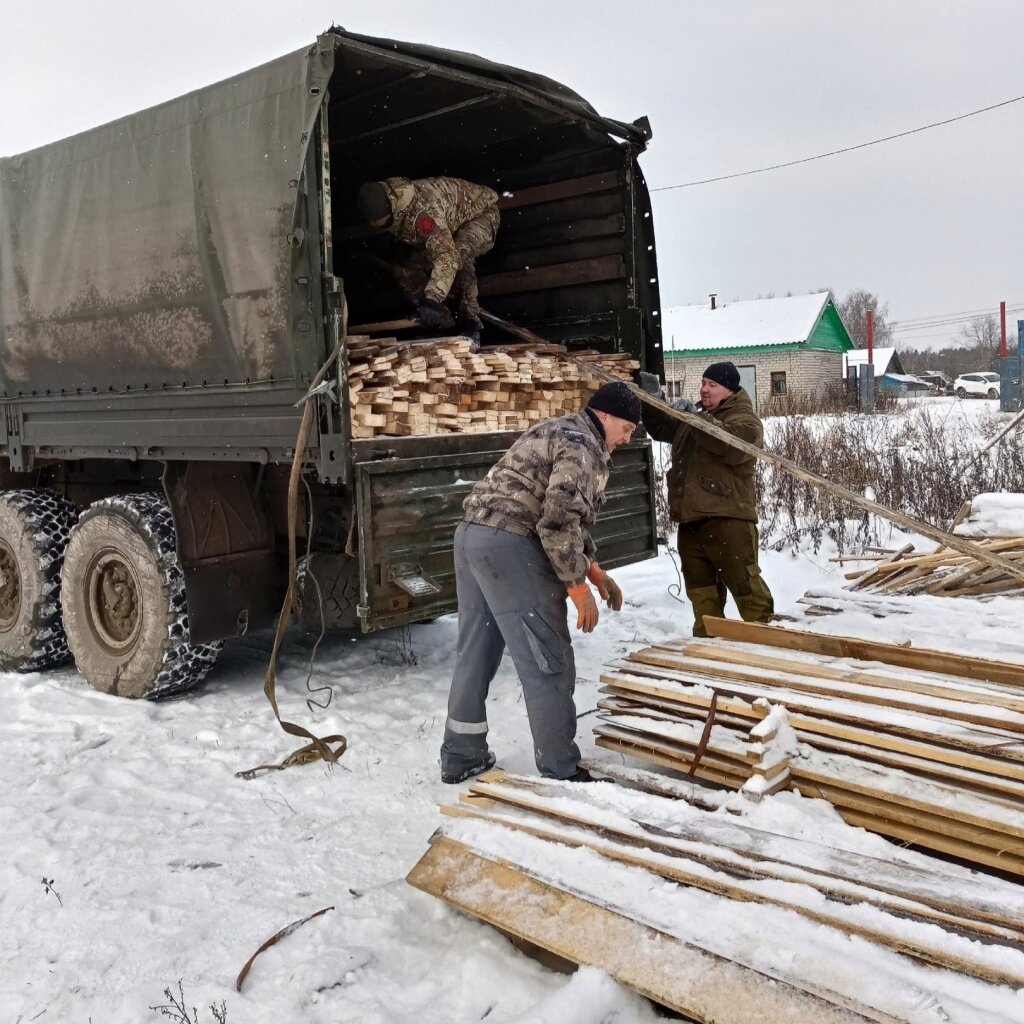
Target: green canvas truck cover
x,y
155,248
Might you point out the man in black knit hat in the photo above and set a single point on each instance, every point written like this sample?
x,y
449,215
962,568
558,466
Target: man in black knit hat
x,y
711,495
522,546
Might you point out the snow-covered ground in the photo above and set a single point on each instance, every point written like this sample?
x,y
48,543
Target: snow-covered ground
x,y
134,858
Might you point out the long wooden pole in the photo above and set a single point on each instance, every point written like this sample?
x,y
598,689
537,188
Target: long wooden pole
x,y
786,465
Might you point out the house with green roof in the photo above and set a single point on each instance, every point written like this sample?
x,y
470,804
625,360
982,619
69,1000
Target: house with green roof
x,y
784,348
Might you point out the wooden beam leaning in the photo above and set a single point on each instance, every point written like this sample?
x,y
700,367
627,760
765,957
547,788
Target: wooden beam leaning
x,y
788,466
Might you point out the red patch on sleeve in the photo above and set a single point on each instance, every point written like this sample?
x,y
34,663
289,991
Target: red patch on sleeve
x,y
425,225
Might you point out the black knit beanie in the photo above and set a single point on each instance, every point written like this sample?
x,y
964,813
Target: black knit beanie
x,y
724,373
616,399
373,202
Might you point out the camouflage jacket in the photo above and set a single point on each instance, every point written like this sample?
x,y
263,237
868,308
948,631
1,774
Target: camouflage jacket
x,y
427,214
708,477
550,483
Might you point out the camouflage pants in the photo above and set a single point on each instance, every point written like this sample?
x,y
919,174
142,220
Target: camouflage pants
x,y
719,555
473,239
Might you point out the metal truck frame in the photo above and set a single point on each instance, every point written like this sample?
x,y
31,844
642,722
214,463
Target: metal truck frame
x,y
171,282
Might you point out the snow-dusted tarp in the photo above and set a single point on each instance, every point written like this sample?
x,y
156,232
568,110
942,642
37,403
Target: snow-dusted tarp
x,y
155,248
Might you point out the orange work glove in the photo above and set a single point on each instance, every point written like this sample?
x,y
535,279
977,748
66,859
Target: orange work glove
x,y
583,597
606,586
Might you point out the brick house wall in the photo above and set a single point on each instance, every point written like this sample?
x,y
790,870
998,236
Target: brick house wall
x,y
808,372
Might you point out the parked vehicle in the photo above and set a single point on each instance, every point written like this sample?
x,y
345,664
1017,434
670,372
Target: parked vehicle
x,y
171,282
977,385
942,382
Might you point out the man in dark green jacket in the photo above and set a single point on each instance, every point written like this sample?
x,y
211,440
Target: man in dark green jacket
x,y
711,495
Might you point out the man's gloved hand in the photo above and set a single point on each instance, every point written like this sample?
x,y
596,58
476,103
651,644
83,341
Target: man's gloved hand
x,y
684,405
606,586
650,383
583,597
431,314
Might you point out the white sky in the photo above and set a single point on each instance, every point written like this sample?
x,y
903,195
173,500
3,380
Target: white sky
x,y
933,223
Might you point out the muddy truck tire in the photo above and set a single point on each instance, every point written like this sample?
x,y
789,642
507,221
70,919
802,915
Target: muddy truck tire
x,y
124,601
34,530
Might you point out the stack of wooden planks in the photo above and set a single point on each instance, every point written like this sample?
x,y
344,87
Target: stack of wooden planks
x,y
943,572
448,385
918,745
721,921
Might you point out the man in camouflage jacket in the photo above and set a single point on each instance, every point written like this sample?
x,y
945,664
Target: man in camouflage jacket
x,y
711,496
522,545
448,222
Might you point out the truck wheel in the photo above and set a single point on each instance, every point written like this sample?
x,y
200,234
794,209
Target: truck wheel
x,y
124,601
330,582
34,530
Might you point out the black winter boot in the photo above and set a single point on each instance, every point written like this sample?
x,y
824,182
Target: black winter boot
x,y
454,778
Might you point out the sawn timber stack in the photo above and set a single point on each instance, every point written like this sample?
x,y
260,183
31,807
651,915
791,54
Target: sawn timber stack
x,y
449,385
718,920
925,747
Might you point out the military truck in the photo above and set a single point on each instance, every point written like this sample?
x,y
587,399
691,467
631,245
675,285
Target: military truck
x,y
170,284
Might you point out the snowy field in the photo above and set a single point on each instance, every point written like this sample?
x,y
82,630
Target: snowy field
x,y
134,858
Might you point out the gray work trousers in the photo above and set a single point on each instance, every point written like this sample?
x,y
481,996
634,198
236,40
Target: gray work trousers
x,y
509,596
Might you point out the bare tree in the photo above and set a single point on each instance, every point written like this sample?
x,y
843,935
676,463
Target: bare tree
x,y
854,311
980,338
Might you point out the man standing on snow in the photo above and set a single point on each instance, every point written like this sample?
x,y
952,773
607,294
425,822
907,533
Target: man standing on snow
x,y
521,547
711,495
448,222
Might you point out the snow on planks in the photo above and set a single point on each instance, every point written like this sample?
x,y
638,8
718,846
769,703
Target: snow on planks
x,y
718,920
932,758
447,385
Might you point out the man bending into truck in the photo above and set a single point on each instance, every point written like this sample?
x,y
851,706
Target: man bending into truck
x,y
448,222
521,547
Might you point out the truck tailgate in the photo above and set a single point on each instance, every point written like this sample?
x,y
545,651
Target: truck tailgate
x,y
408,509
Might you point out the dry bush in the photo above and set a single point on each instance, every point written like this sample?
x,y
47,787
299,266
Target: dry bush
x,y
919,464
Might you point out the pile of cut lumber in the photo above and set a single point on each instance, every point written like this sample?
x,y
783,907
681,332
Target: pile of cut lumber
x,y
449,385
721,921
926,747
943,572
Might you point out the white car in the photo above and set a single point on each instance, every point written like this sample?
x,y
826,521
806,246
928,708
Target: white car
x,y
977,385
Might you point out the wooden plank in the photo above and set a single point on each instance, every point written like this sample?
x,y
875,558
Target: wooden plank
x,y
589,184
557,275
384,326
940,841
867,650
778,856
729,884
705,425
793,678
994,751
690,980
959,688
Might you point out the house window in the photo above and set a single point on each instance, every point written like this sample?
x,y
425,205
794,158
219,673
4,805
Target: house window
x,y
779,383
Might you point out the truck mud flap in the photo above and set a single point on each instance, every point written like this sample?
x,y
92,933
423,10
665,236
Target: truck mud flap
x,y
408,509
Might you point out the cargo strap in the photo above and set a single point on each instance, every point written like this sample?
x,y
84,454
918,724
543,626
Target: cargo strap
x,y
319,748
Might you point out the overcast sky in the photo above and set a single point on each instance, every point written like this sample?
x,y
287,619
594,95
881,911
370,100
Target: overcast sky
x,y
933,223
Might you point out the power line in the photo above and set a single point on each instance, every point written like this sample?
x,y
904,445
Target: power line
x,y
953,321
985,311
845,149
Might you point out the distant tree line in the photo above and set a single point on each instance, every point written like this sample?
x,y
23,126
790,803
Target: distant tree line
x,y
975,349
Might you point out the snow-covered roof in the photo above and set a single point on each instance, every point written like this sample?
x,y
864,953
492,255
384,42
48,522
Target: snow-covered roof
x,y
743,324
880,358
907,378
